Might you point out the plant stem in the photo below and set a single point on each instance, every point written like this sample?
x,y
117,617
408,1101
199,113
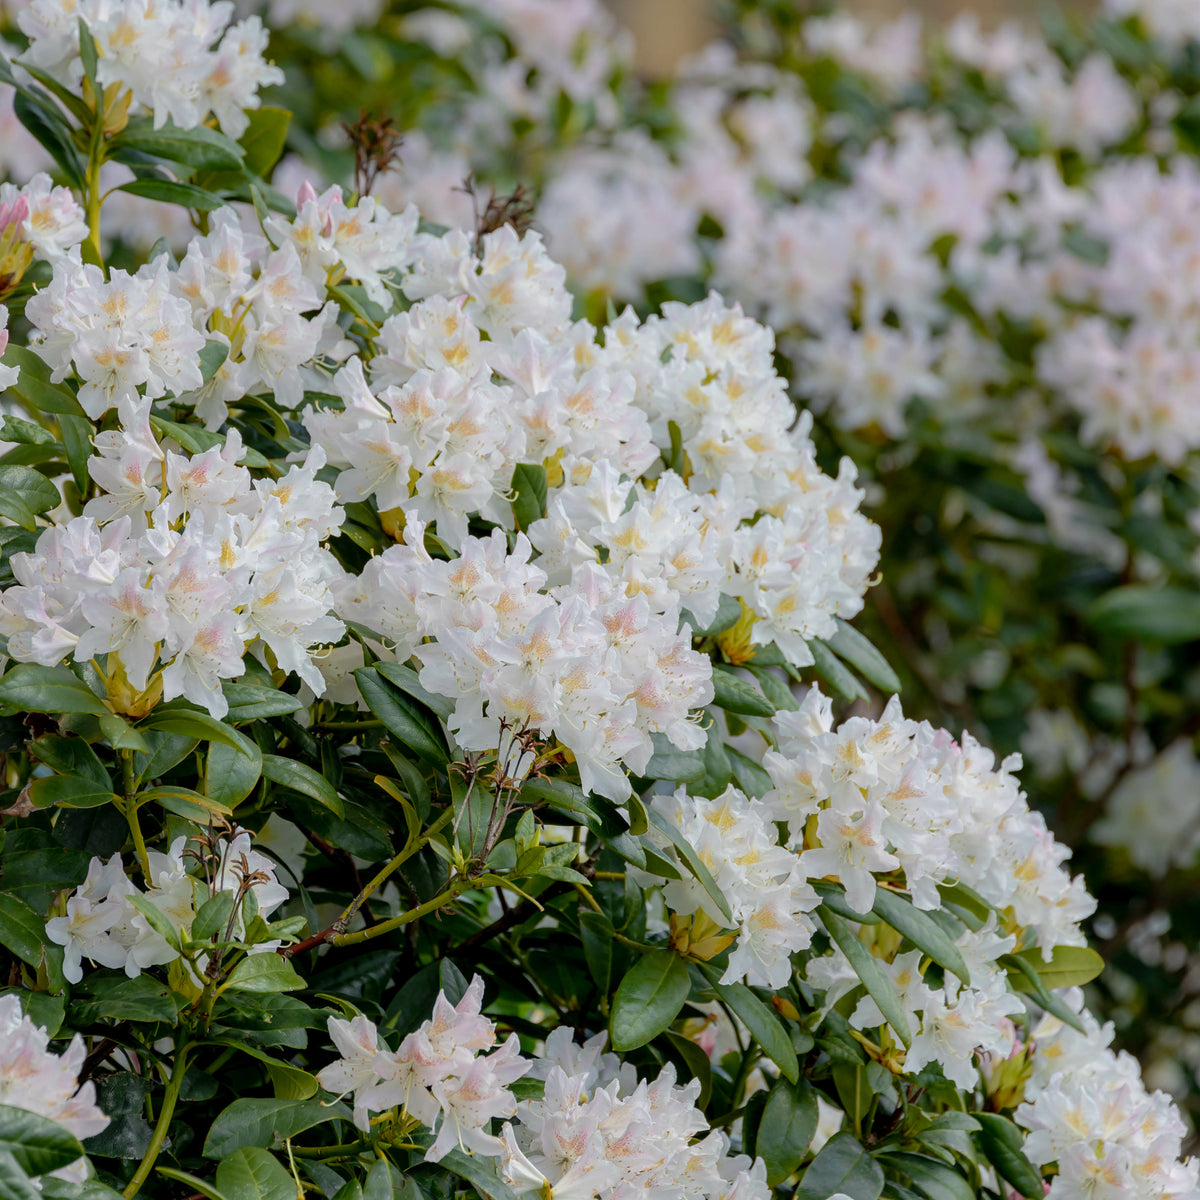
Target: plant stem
x,y
129,787
160,1129
94,199
451,894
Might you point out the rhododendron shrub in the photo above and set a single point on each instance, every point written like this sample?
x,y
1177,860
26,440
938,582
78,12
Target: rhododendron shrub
x,y
428,764
977,250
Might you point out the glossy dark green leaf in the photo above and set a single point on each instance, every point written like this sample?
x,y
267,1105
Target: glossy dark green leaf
x,y
34,688
529,490
920,929
231,772
167,191
866,966
34,386
933,1177
1004,1145
22,931
198,146
409,723
737,695
864,657
288,773
252,1173
407,680
786,1128
829,667
253,702
264,139
68,791
1069,966
266,1123
266,972
35,1143
761,1021
841,1165
648,998
597,935
119,999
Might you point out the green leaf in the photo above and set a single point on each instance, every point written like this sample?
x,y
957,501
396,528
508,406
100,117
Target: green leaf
x,y
597,935
866,966
264,139
1069,966
785,1129
827,665
195,147
288,773
748,775
729,612
737,695
266,972
68,791
34,386
14,1183
267,1123
1168,615
192,722
920,929
163,751
401,717
36,1144
168,192
288,1082
212,358
47,125
252,1173
480,1173
252,702
88,55
675,766
77,435
648,999
193,806
529,490
1004,1145
119,999
760,1020
407,680
71,756
842,1165
594,812
48,690
22,931
200,1186
212,917
26,433
849,644
934,1178
34,489
230,773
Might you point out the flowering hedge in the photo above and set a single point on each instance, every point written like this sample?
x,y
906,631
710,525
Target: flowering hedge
x,y
420,771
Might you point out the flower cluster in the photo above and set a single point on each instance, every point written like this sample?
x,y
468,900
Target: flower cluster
x,y
34,1079
178,566
764,883
178,60
1088,1111
438,1075
596,1130
103,925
